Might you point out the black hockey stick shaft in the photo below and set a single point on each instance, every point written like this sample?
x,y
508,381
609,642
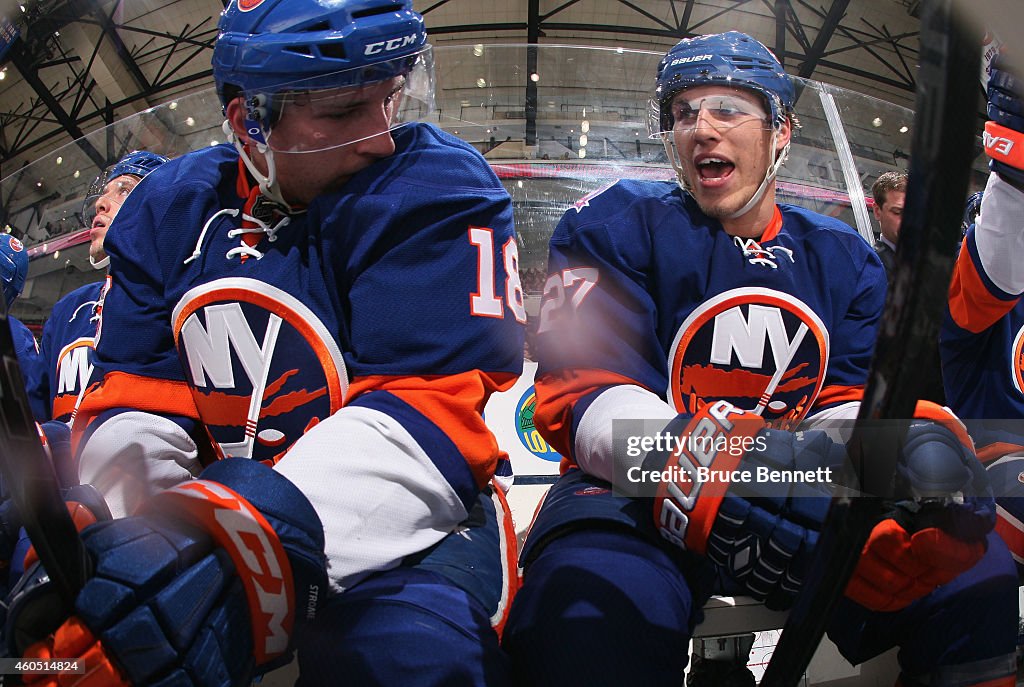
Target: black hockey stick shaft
x,y
31,481
942,149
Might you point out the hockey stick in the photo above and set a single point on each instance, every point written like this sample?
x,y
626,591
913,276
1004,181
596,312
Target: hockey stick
x,y
942,148
31,481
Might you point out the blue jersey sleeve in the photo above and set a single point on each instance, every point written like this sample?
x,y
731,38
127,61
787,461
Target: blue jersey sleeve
x,y
31,363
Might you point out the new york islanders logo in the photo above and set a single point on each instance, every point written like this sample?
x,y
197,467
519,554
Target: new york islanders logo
x,y
1017,361
74,367
527,431
263,368
761,350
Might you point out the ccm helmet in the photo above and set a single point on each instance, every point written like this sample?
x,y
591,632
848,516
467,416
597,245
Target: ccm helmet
x,y
271,50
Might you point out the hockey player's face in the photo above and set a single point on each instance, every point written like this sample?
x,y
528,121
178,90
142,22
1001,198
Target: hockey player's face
x,y
107,206
724,152
333,135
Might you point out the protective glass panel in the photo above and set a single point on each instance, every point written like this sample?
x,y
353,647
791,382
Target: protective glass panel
x,y
556,122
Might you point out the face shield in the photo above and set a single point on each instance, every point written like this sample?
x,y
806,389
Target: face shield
x,y
721,111
334,110
113,192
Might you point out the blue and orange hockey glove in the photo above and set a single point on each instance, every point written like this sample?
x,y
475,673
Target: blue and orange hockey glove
x,y
1004,132
937,531
206,585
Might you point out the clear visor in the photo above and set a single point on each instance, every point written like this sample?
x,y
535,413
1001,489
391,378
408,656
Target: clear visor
x,y
721,111
106,196
312,115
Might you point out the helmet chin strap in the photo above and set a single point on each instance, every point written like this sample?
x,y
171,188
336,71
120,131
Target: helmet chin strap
x,y
99,264
268,183
769,174
780,157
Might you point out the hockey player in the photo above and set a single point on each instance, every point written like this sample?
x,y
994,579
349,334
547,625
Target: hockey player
x,y
69,334
983,333
13,271
711,292
334,287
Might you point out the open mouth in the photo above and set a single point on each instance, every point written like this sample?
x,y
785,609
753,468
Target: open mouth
x,y
714,169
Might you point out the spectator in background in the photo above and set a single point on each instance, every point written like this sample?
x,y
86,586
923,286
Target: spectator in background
x,y
889,192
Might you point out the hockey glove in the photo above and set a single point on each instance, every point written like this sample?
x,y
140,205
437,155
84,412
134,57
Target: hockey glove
x,y
204,586
56,439
1004,133
741,507
936,533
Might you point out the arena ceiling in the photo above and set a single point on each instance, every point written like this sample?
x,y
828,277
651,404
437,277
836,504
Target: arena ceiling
x,y
73,66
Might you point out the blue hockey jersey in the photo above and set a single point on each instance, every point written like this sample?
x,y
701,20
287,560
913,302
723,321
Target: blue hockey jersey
x,y
982,349
376,323
27,351
982,337
646,290
68,342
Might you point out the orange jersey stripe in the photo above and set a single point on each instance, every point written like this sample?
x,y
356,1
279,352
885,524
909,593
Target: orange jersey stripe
x,y
971,304
454,403
996,450
557,395
836,393
123,390
64,405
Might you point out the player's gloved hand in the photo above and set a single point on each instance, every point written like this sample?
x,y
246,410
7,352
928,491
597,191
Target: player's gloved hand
x,y
85,505
56,439
936,533
204,586
762,532
1004,132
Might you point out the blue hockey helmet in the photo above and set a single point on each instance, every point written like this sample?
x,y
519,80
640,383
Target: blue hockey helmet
x,y
270,49
730,59
13,266
971,211
137,163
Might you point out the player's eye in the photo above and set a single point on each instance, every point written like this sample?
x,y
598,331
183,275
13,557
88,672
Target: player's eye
x,y
682,113
723,109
